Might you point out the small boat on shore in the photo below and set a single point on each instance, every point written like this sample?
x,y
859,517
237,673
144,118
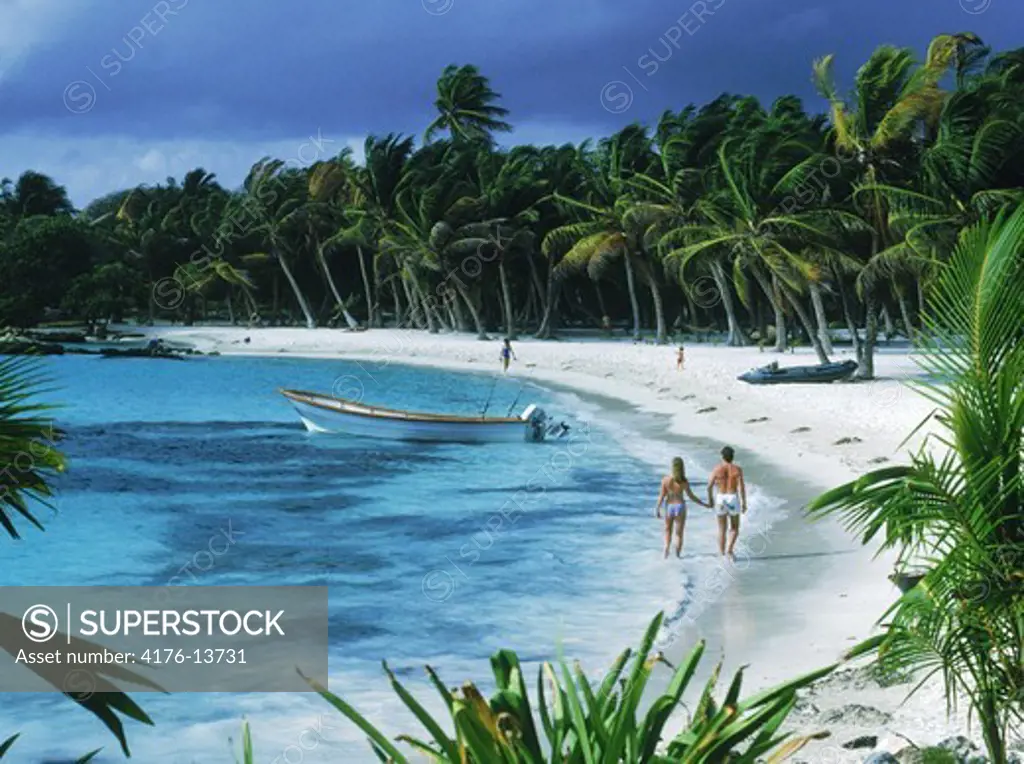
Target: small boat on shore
x,y
324,413
773,374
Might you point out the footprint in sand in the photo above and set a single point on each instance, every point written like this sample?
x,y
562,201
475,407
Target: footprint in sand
x,y
801,429
759,419
706,410
878,460
687,397
845,441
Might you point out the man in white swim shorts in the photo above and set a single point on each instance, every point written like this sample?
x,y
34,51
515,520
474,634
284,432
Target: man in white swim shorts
x,y
731,501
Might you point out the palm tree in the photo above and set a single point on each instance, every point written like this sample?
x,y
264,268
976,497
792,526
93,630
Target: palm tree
x,y
506,189
329,195
892,95
198,278
562,174
612,226
373,204
957,185
608,233
143,228
426,238
466,106
960,508
271,207
34,194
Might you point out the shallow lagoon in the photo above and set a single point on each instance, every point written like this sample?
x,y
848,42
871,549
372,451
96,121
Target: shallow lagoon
x,y
427,558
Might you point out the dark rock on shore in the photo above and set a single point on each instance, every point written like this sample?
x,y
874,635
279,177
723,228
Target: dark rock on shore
x,y
44,335
864,741
857,715
22,346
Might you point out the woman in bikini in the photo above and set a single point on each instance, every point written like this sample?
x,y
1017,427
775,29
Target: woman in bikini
x,y
673,487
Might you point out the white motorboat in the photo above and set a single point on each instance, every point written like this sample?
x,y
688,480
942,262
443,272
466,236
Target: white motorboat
x,y
324,413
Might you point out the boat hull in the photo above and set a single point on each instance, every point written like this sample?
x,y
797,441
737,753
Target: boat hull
x,y
326,419
823,374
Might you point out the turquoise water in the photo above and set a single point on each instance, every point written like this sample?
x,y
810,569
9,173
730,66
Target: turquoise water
x,y
422,565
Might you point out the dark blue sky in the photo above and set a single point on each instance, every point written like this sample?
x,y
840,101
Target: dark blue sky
x,y
108,94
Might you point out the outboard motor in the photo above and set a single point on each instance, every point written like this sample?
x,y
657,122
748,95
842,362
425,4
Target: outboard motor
x,y
540,426
536,421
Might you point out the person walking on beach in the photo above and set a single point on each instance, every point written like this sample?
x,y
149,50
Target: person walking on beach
x,y
507,354
673,486
731,501
680,358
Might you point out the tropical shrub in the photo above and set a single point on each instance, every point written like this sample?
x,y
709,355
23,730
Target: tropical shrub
x,y
575,720
959,505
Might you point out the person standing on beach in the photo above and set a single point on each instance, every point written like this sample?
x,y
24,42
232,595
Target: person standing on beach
x,y
673,486
680,358
731,501
507,354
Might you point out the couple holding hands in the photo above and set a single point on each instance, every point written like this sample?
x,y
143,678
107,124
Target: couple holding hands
x,y
729,501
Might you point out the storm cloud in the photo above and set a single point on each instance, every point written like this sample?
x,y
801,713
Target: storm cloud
x,y
102,94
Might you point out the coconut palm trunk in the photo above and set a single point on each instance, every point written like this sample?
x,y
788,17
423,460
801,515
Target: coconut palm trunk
x,y
600,300
506,299
770,290
805,320
867,361
352,323
435,321
538,287
631,286
251,305
370,312
275,300
547,323
299,297
477,322
415,316
819,316
454,304
851,325
890,329
736,336
905,315
659,310
399,317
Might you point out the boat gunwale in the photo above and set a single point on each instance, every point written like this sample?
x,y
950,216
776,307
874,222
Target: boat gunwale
x,y
380,412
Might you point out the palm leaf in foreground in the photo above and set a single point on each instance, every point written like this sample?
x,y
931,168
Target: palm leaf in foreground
x,y
591,723
960,509
28,457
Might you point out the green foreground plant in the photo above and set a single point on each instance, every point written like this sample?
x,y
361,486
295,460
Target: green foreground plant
x,y
959,507
574,720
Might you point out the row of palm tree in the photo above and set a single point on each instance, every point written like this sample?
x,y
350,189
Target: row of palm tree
x,y
803,223
957,508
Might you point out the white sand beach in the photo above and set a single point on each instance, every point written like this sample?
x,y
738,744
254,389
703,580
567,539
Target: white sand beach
x,y
816,435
